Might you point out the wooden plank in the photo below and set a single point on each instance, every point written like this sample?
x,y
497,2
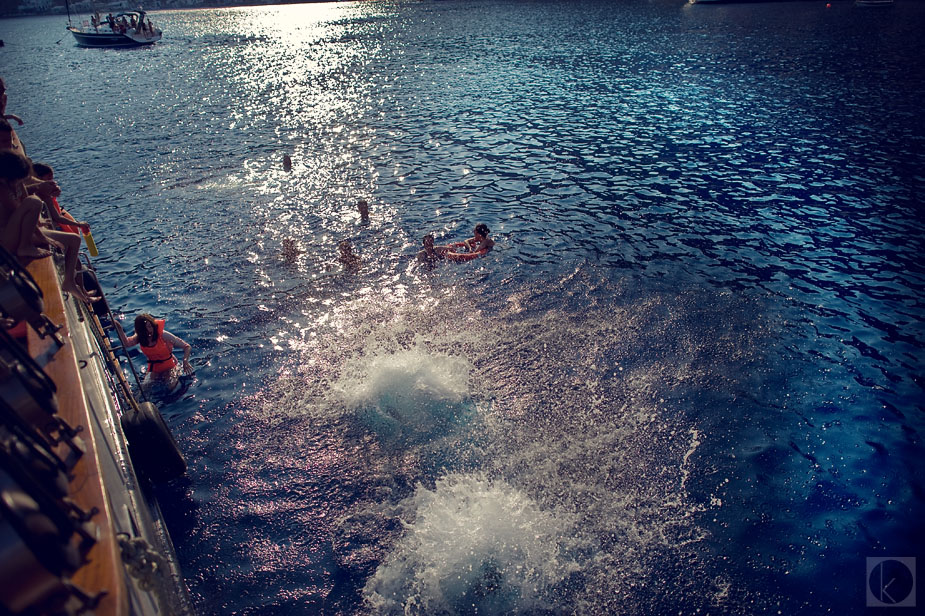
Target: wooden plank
x,y
104,571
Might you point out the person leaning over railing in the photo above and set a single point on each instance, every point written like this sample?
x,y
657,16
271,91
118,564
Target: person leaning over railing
x,y
48,193
20,233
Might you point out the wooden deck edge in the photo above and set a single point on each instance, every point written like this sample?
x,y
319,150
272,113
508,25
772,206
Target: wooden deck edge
x,y
104,572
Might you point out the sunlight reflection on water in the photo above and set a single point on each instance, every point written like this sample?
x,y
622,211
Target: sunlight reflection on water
x,y
699,329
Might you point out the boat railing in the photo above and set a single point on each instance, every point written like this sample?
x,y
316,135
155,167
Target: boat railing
x,y
62,547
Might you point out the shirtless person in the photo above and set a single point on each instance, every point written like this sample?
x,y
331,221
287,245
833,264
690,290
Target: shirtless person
x,y
20,234
480,240
431,254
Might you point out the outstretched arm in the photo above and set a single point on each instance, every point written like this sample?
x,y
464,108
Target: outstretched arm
x,y
187,349
47,191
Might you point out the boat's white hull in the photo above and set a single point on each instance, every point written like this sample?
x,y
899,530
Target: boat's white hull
x,y
113,39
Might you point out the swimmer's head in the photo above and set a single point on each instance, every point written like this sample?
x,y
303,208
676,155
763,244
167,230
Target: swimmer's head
x,y
482,230
428,240
145,329
345,247
363,207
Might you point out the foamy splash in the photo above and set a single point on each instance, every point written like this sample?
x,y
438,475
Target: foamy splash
x,y
408,394
473,545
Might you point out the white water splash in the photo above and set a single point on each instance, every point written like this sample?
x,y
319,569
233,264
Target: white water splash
x,y
406,393
473,546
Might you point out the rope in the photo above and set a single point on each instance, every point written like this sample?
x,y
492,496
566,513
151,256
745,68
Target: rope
x,y
150,569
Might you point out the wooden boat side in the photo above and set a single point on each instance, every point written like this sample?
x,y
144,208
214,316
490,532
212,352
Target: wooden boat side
x,y
104,571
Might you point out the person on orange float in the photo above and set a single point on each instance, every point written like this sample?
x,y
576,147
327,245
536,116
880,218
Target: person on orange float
x,y
476,246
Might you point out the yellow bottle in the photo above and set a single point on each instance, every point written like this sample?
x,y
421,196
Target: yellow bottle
x,y
91,245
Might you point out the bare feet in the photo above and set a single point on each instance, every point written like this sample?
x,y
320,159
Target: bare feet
x,y
74,289
33,252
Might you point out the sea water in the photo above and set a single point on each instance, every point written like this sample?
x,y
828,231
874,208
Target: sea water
x,y
687,380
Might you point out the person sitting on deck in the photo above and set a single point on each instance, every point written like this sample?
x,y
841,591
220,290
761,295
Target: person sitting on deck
x,y
49,194
157,344
9,140
20,233
9,116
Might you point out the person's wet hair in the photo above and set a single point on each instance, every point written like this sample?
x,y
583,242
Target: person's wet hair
x,y
482,229
142,332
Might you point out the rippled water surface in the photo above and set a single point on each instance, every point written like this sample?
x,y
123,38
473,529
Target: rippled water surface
x,y
688,379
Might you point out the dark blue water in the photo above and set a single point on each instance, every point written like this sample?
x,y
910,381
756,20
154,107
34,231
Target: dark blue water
x,y
689,379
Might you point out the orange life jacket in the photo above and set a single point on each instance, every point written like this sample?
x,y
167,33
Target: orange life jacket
x,y
64,227
160,354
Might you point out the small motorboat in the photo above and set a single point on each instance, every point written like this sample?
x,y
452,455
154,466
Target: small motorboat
x,y
127,29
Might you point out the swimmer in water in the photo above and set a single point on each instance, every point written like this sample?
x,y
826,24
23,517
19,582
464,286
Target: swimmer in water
x,y
157,344
480,240
291,251
363,208
431,254
348,258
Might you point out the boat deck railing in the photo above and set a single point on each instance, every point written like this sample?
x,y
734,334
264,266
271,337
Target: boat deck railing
x,y
70,503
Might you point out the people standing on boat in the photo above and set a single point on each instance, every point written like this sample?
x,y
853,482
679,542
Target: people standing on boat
x,y
111,21
157,344
20,233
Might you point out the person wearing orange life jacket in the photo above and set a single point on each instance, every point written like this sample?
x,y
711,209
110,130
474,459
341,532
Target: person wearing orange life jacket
x,y
157,344
48,193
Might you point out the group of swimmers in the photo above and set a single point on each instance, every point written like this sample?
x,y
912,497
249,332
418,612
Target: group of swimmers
x,y
33,226
472,248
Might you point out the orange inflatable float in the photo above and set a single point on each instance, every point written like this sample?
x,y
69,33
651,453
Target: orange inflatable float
x,y
453,255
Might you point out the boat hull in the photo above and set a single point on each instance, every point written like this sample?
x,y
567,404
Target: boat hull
x,y
111,39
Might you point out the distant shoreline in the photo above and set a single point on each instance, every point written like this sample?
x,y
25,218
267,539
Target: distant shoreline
x,y
60,10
